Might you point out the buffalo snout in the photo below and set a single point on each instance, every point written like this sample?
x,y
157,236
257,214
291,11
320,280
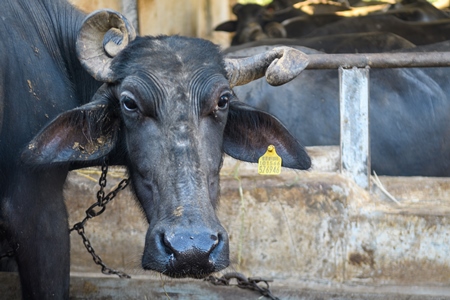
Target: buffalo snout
x,y
187,251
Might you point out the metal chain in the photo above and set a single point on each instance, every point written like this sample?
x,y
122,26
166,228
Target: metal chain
x,y
250,283
10,253
91,212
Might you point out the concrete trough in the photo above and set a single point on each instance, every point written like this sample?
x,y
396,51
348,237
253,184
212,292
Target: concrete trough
x,y
86,286
317,234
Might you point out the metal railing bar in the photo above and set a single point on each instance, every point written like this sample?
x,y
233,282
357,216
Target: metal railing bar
x,y
379,60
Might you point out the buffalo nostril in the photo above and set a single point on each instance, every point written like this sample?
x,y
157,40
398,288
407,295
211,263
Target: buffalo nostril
x,y
167,245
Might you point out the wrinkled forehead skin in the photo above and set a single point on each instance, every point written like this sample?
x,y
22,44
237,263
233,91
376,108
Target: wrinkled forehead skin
x,y
168,56
174,141
175,77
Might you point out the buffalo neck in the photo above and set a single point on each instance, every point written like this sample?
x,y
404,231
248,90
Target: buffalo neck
x,y
56,24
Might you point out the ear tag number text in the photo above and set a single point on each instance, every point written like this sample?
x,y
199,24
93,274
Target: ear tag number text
x,y
270,162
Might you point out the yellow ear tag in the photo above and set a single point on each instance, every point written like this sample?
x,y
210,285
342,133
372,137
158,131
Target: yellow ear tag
x,y
270,162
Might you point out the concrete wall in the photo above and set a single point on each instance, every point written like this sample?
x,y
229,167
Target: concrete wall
x,y
315,230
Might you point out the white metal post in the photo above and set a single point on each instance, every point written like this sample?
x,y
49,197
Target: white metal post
x,y
354,114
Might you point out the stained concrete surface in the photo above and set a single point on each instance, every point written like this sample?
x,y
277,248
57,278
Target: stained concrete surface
x,y
86,286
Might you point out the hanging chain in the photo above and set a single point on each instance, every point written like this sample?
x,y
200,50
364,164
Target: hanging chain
x,y
97,209
250,283
10,253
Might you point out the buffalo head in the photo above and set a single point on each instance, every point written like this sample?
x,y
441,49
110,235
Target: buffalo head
x,y
254,22
167,111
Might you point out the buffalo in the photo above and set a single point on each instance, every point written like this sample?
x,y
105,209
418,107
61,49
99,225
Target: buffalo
x,y
370,42
408,107
254,22
76,90
418,21
416,11
419,33
408,112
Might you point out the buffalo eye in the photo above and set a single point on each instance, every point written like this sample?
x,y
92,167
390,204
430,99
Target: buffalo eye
x,y
129,104
223,101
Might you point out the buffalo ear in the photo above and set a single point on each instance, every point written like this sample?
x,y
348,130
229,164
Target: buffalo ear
x,y
83,134
249,132
228,26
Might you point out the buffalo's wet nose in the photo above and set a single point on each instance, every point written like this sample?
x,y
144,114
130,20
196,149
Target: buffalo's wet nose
x,y
188,253
181,243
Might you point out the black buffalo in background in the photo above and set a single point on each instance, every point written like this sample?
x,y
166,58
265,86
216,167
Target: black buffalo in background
x,y
418,20
409,108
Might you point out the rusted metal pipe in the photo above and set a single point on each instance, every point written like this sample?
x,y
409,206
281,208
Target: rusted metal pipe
x,y
379,60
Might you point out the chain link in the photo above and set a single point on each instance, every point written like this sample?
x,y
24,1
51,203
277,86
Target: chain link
x,y
97,209
10,253
250,283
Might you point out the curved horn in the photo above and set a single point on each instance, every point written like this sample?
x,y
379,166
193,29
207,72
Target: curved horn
x,y
280,65
102,36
